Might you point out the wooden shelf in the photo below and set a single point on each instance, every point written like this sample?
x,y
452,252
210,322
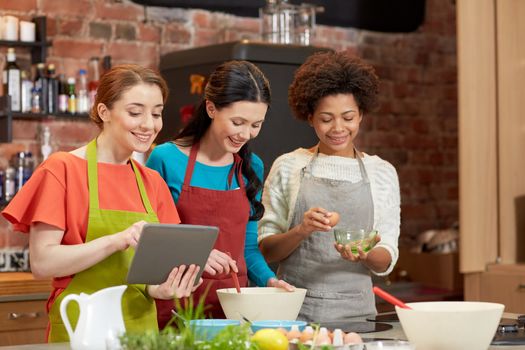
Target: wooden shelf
x,y
38,47
43,116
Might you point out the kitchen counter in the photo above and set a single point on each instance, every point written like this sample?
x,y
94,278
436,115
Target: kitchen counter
x,y
395,333
16,285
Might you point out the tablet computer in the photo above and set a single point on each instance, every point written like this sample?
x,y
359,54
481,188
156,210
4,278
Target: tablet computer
x,y
162,247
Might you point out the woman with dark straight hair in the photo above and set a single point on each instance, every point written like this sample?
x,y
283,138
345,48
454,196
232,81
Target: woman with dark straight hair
x,y
216,180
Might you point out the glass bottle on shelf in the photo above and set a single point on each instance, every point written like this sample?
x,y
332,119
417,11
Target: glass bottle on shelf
x,y
82,93
9,183
27,86
52,90
62,94
36,95
12,81
45,140
72,97
93,79
106,64
41,84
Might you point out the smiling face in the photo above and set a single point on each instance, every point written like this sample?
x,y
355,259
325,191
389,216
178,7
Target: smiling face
x,y
134,120
336,122
234,125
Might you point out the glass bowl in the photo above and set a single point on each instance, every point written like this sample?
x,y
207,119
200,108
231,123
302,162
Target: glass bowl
x,y
356,238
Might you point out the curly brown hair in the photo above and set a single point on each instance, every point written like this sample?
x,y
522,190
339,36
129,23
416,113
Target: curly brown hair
x,y
330,73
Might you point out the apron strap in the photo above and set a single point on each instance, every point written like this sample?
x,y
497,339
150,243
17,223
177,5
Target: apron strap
x,y
191,165
236,168
142,189
91,155
362,168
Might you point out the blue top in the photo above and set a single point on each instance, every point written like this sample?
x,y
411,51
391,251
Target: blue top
x,y
171,164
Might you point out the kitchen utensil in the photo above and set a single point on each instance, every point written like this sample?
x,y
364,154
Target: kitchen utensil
x,y
261,303
450,325
356,238
234,277
100,318
389,297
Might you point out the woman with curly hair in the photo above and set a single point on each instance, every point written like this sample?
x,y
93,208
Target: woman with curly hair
x,y
332,91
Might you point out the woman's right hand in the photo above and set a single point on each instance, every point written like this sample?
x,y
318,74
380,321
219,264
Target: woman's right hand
x,y
129,237
220,263
315,219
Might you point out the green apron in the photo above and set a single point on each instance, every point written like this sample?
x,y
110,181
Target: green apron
x,y
138,309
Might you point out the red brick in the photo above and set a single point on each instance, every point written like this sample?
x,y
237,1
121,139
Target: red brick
x,y
66,8
19,5
122,52
70,134
70,27
247,24
201,19
25,129
122,11
51,27
205,37
176,33
17,239
75,48
148,32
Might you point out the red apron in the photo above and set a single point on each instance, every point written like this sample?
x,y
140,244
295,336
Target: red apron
x,y
230,211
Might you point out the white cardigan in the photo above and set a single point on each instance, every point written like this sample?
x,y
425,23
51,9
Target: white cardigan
x,y
282,187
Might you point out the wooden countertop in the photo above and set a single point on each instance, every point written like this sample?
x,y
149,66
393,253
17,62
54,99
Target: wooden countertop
x,y
22,283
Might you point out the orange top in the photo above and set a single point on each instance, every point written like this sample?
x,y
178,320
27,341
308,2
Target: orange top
x,y
57,194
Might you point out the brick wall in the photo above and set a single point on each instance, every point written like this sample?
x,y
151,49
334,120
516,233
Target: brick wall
x,y
415,129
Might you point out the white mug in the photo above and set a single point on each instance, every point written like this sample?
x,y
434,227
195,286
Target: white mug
x,y
10,28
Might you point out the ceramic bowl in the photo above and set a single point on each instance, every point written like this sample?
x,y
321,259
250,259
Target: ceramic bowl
x,y
261,303
206,329
356,238
256,325
450,325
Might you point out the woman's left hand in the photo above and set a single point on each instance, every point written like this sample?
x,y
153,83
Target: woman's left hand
x,y
346,252
180,283
274,282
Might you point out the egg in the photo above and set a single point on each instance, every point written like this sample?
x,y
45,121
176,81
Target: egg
x,y
333,219
294,333
307,334
352,338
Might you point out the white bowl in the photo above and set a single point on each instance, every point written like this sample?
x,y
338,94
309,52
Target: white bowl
x,y
450,325
261,303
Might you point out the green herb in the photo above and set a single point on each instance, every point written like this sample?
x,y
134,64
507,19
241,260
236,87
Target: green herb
x,y
182,336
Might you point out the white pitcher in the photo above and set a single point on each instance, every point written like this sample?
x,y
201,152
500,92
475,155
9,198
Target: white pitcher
x,y
100,318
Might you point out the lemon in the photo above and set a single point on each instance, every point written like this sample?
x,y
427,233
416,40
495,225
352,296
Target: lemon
x,y
270,339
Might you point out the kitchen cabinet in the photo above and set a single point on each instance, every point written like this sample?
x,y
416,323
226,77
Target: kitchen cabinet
x,y
23,316
491,95
23,322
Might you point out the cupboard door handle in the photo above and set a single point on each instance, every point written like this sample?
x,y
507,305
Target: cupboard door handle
x,y
521,286
19,315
